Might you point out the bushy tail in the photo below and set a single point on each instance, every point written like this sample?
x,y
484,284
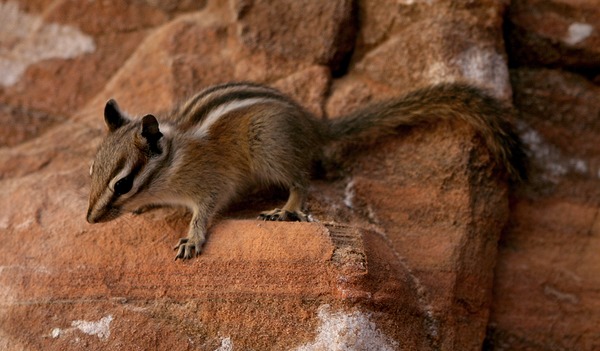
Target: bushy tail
x,y
454,101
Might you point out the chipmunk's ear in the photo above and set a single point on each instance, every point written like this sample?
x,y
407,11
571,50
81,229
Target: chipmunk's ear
x,y
113,117
151,133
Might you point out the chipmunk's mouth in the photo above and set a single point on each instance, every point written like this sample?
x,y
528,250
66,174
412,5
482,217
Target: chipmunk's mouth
x,y
108,214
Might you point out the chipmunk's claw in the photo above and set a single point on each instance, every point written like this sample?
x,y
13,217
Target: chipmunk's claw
x,y
283,215
186,246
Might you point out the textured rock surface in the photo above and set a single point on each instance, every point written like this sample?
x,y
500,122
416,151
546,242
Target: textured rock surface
x,y
556,33
432,224
127,295
431,42
403,256
546,285
316,32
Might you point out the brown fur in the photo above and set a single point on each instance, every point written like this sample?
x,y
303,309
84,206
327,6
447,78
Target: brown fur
x,y
232,137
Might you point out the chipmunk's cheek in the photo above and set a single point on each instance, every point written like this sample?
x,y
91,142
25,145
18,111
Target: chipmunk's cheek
x,y
128,206
110,214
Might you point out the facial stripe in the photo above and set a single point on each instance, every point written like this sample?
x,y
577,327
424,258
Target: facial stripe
x,y
151,169
106,197
135,172
124,171
119,168
101,205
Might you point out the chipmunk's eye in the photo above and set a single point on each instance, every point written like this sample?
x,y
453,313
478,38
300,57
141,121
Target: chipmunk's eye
x,y
124,185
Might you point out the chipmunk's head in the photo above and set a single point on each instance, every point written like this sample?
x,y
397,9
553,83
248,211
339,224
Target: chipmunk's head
x,y
123,164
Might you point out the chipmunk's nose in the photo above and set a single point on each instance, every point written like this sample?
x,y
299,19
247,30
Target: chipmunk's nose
x,y
89,217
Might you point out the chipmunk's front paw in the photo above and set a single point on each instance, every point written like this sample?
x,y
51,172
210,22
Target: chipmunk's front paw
x,y
283,215
187,246
145,209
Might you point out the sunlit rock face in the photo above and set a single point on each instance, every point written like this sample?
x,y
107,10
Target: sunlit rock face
x,y
403,252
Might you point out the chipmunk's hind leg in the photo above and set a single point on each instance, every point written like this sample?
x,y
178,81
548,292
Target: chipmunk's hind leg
x,y
291,211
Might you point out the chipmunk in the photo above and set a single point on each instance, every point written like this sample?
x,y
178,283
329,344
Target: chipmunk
x,y
232,137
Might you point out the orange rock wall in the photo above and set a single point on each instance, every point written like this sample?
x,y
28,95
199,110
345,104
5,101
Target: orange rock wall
x,y
418,244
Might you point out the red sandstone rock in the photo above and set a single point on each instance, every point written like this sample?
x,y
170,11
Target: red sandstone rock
x,y
199,50
413,192
402,46
546,284
258,285
410,44
21,124
404,253
555,33
65,56
309,87
320,32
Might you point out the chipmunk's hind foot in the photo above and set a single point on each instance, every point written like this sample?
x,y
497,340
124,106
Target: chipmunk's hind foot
x,y
291,212
283,215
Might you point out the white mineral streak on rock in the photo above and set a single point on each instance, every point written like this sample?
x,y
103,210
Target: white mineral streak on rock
x,y
349,194
344,331
486,67
577,33
26,39
100,328
226,345
554,163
